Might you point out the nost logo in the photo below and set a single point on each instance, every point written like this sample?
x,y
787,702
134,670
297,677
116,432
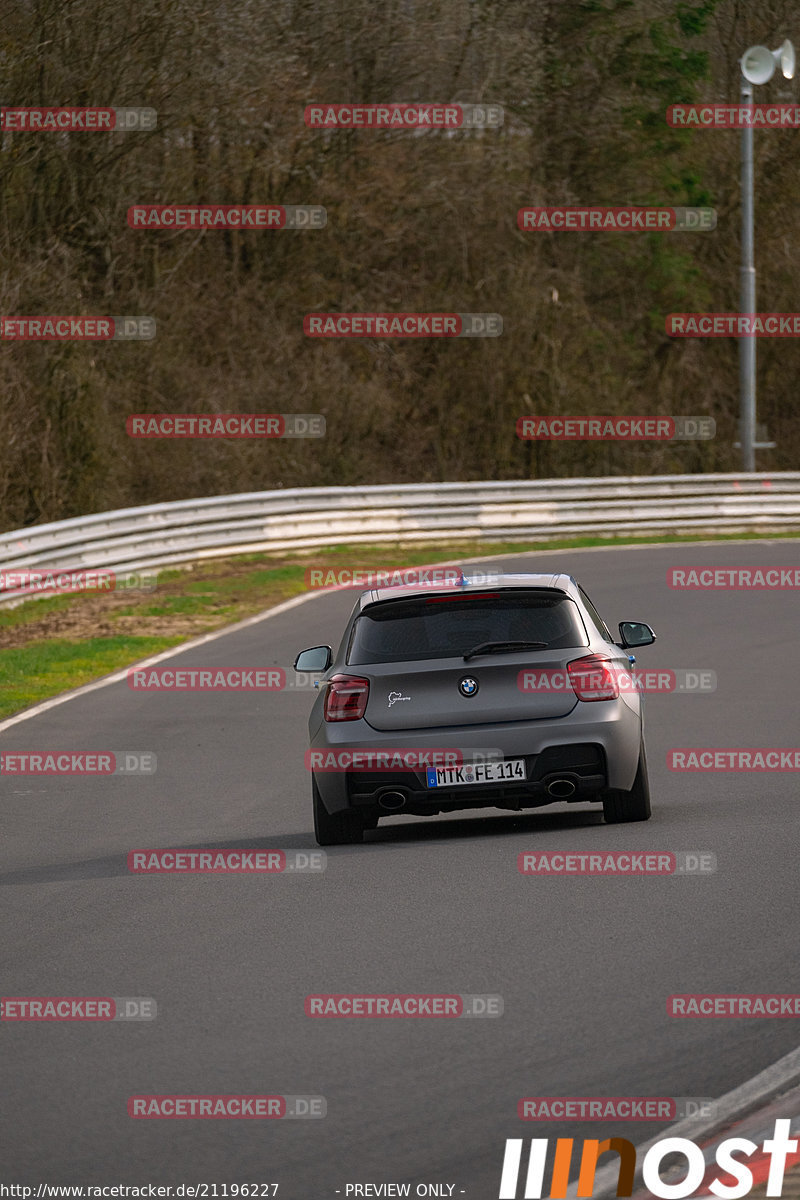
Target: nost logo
x,y
734,1181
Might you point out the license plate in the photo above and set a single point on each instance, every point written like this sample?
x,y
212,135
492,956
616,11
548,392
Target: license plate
x,y
512,769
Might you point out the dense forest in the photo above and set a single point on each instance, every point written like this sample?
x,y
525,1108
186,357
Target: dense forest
x,y
416,222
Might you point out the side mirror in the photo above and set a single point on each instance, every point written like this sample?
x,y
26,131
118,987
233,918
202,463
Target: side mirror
x,y
318,658
635,633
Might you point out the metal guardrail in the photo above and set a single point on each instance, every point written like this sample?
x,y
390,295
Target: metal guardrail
x,y
158,535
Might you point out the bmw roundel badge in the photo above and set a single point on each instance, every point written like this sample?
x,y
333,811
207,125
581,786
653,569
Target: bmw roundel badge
x,y
468,686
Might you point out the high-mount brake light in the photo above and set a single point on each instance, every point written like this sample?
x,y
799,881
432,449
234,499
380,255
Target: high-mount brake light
x,y
462,596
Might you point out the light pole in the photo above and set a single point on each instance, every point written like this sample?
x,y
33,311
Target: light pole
x,y
758,65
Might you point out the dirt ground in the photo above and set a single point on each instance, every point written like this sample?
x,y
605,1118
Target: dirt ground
x,y
93,615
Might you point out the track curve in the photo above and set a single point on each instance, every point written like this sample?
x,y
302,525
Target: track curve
x,y
585,965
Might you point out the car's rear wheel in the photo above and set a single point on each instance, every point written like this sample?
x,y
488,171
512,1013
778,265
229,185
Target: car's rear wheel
x,y
634,805
335,829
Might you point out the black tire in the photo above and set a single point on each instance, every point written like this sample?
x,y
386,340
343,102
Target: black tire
x,y
619,806
335,829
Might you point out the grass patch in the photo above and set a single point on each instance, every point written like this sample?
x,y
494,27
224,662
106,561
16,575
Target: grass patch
x,y
42,669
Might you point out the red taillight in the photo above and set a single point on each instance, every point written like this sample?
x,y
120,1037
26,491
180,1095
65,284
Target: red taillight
x,y
346,698
593,678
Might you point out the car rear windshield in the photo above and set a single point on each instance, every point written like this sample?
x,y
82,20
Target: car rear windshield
x,y
449,626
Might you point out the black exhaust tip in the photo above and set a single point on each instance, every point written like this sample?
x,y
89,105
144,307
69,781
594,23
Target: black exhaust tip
x,y
561,789
392,801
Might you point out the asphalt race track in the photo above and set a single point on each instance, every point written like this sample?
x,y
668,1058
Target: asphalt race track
x,y
585,965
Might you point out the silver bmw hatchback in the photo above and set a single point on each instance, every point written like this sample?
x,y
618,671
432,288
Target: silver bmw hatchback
x,y
510,694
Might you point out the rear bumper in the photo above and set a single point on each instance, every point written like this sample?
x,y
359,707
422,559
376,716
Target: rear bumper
x,y
596,746
581,767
